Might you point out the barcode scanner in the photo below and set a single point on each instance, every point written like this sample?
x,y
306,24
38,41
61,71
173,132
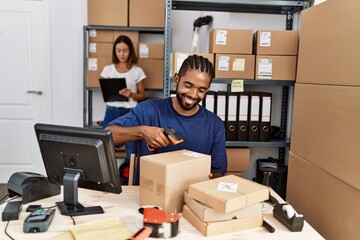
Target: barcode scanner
x,y
172,135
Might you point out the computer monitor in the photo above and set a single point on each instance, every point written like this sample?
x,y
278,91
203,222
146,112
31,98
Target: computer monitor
x,y
78,157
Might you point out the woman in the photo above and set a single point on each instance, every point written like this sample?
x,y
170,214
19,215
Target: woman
x,y
124,66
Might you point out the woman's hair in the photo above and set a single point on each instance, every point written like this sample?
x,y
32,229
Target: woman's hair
x,y
197,62
133,59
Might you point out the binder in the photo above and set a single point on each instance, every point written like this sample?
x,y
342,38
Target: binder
x,y
265,116
221,106
209,101
231,116
254,116
243,120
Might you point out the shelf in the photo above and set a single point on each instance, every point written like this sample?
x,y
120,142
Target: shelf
x,y
245,6
117,28
256,82
273,143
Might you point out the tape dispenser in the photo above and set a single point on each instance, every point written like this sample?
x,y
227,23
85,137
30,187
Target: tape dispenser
x,y
286,214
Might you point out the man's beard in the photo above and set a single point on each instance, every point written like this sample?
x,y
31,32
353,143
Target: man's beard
x,y
181,102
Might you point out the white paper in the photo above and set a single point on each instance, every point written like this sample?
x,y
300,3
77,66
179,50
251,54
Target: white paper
x,y
224,63
221,37
92,64
265,39
265,68
227,187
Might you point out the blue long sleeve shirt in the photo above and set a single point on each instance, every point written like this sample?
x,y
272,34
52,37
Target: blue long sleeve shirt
x,y
203,132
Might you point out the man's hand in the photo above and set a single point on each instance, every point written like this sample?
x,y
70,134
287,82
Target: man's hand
x,y
215,175
155,137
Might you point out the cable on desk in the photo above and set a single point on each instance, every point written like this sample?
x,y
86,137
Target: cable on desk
x,y
4,197
73,220
7,232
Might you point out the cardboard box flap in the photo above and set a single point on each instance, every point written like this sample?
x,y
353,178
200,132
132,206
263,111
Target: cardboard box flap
x,y
220,227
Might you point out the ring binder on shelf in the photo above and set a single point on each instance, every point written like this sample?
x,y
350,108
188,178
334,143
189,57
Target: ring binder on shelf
x,y
243,113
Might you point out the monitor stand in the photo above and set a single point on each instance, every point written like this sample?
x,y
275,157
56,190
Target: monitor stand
x,y
70,206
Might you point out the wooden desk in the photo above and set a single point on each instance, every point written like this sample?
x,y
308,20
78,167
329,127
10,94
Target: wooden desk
x,y
124,207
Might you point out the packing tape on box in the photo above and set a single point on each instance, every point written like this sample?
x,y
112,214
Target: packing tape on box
x,y
139,217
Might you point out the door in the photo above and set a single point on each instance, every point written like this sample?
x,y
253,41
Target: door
x,y
25,95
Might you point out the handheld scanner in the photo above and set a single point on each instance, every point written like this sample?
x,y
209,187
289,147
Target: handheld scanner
x,y
173,136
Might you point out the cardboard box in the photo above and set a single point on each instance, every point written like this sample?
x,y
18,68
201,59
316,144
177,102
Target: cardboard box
x,y
147,13
99,49
329,205
277,42
207,214
325,129
234,66
103,36
151,50
108,12
95,67
275,67
154,70
165,177
133,35
221,227
238,159
228,193
329,44
177,58
236,41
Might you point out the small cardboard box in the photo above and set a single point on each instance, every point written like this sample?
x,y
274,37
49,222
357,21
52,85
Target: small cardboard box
x,y
151,50
277,42
236,41
234,66
238,159
208,214
99,49
165,177
275,67
108,12
154,70
95,67
147,13
221,227
177,58
103,36
228,193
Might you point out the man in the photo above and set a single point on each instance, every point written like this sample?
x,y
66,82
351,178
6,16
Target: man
x,y
202,130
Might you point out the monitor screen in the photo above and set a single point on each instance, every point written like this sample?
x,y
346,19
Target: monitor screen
x,y
78,157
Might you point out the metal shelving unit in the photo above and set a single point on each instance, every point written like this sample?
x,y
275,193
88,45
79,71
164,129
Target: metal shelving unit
x,y
88,91
283,7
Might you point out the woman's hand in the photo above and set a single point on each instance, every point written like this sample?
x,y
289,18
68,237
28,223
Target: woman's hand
x,y
125,92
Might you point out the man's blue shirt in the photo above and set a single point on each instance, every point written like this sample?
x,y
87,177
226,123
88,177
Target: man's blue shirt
x,y
203,132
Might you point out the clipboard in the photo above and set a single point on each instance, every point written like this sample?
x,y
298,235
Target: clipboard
x,y
110,88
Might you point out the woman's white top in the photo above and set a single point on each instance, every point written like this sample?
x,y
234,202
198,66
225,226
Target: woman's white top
x,y
133,76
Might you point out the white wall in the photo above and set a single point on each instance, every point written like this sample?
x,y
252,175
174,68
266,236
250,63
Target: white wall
x,y
67,18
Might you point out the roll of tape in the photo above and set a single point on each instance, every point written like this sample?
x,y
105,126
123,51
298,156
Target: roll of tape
x,y
288,210
139,216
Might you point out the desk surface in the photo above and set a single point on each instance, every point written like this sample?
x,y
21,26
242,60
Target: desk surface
x,y
124,207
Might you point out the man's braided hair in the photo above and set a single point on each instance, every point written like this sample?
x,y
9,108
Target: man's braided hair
x,y
197,62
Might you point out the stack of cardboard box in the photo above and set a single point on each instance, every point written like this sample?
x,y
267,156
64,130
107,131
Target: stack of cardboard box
x,y
276,52
100,51
324,179
165,177
233,49
125,13
225,204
